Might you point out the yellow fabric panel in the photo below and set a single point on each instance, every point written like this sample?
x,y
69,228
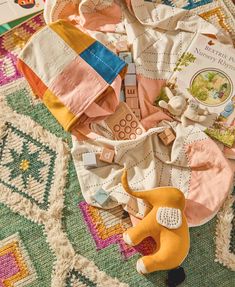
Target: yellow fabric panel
x,y
72,36
59,110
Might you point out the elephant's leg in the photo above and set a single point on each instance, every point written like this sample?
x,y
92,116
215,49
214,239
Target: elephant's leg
x,y
136,234
160,260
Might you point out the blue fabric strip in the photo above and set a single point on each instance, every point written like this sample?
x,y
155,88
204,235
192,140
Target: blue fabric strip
x,y
103,61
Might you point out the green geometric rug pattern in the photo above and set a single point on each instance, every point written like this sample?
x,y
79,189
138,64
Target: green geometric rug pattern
x,y
26,162
35,249
199,261
34,240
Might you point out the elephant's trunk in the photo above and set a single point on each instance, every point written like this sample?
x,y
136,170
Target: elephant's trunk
x,y
138,194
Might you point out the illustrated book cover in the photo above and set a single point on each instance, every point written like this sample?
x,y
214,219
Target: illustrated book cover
x,y
206,73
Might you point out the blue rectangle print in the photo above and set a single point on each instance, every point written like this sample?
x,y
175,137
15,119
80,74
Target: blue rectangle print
x,y
103,61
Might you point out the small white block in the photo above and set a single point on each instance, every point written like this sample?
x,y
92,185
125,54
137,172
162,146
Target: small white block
x,y
131,68
122,96
130,80
126,56
101,196
89,160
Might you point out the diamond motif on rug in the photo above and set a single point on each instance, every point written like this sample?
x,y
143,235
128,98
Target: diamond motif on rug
x,y
15,266
107,227
26,165
219,15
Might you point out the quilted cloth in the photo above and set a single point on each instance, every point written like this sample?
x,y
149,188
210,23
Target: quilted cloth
x,y
194,164
77,78
157,33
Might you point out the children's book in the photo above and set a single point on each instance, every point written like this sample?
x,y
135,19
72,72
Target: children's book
x,y
206,73
11,10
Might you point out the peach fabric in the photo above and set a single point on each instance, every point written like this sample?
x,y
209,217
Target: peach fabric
x,y
59,9
107,103
73,91
101,106
232,164
90,18
230,152
98,19
97,111
209,173
67,10
91,100
148,91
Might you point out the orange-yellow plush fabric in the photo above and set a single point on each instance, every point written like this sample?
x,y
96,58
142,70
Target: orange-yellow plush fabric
x,y
172,242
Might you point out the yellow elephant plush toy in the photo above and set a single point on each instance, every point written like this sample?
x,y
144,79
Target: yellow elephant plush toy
x,y
165,223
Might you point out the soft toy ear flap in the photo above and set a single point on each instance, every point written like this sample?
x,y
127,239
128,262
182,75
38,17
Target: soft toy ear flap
x,y
169,217
163,104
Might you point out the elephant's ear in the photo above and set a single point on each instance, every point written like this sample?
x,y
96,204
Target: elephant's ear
x,y
169,217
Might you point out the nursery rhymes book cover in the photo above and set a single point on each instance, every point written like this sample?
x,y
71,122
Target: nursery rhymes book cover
x,y
206,73
14,9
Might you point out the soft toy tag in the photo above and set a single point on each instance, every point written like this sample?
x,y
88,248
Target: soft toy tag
x,y
169,217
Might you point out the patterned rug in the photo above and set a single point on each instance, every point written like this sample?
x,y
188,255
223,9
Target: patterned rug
x,y
225,233
48,235
35,249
